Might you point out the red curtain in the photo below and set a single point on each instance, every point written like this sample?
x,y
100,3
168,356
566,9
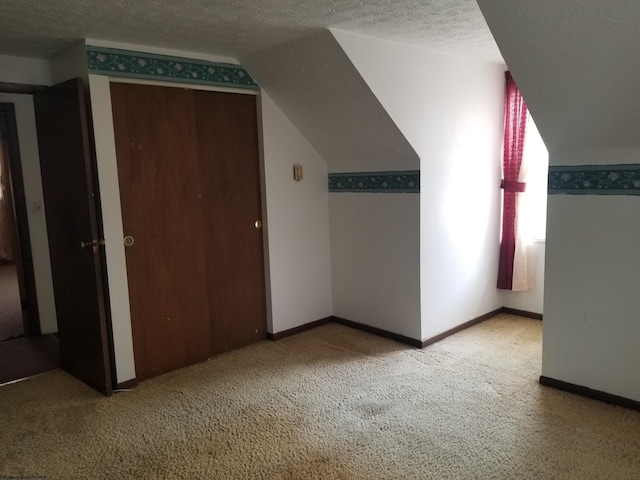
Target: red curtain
x,y
514,132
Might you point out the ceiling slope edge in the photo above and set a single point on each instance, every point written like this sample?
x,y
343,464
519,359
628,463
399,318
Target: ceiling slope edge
x,y
576,65
318,88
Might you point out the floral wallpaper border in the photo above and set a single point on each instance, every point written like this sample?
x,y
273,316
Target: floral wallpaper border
x,y
126,63
407,181
595,180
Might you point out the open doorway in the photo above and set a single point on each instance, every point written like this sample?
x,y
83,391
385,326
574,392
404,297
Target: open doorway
x,y
23,351
11,318
18,311
64,245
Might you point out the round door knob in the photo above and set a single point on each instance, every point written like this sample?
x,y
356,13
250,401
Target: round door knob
x,y
258,224
129,240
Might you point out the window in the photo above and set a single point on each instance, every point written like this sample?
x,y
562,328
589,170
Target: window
x,y
533,211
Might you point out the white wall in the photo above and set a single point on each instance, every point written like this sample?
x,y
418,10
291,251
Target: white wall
x,y
30,71
375,259
297,224
70,63
450,109
318,89
34,72
591,326
531,300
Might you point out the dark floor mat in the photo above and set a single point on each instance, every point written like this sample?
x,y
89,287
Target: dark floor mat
x,y
11,324
27,356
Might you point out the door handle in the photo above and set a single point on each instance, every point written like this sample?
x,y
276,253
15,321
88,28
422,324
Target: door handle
x,y
92,243
258,224
129,241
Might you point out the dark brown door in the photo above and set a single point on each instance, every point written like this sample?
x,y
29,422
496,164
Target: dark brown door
x,y
162,215
229,166
70,208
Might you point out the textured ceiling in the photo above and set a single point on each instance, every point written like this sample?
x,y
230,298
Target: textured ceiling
x,y
237,28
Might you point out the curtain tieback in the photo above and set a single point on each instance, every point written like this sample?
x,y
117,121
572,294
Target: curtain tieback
x,y
513,186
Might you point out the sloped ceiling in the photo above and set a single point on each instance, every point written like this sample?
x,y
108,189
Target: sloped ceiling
x,y
576,63
315,84
284,44
236,28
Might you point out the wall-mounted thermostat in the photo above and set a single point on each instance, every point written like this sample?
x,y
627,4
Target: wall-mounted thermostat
x,y
297,172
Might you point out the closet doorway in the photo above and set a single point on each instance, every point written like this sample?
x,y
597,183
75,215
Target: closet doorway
x,y
189,175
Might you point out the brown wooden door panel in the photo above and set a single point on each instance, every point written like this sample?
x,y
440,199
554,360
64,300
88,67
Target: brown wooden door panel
x,y
162,211
228,158
69,202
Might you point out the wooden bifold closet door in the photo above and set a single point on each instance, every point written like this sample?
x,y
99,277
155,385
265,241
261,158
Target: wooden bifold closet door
x,y
190,192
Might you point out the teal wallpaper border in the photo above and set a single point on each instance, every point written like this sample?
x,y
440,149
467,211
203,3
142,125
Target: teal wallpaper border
x,y
407,181
594,180
126,63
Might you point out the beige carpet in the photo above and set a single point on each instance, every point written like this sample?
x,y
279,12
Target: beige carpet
x,y
332,403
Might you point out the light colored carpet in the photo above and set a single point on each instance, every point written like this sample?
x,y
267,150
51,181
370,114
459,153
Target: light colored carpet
x,y
10,309
331,403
